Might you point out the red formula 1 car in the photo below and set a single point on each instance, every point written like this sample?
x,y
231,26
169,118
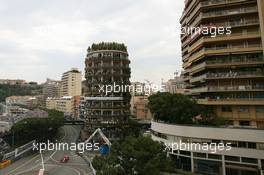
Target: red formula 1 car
x,y
65,159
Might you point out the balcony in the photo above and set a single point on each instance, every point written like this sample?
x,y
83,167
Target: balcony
x,y
200,78
221,50
240,88
220,2
227,63
220,13
234,101
234,36
227,75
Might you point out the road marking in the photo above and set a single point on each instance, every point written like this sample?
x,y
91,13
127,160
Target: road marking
x,y
32,159
23,165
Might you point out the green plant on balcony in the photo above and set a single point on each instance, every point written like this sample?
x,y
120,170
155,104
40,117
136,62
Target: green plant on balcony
x,y
107,46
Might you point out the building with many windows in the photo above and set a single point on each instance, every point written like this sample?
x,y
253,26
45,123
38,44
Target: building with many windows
x,y
106,64
71,83
51,88
226,72
246,155
63,104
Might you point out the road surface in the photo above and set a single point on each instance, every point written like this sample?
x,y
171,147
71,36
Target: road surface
x,y
30,165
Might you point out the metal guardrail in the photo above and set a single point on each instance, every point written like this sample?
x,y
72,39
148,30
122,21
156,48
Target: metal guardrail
x,y
19,151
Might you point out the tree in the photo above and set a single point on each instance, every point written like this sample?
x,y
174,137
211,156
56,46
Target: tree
x,y
173,108
40,129
180,109
131,156
7,90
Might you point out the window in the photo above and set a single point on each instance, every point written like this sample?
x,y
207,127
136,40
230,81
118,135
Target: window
x,y
252,145
243,109
214,156
244,123
260,109
187,153
232,158
199,155
242,144
249,160
226,109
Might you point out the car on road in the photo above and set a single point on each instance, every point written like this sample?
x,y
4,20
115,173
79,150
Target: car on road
x,y
65,159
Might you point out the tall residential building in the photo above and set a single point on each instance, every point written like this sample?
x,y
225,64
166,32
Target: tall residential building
x,y
51,88
106,64
71,83
226,72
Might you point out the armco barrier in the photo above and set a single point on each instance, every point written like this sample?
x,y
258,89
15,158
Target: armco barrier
x,y
19,151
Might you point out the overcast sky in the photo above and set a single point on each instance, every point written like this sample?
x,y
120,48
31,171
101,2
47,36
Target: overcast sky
x,y
40,39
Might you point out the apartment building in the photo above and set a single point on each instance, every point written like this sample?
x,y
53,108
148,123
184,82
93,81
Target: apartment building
x,y
106,64
51,88
139,107
71,83
29,101
64,104
226,72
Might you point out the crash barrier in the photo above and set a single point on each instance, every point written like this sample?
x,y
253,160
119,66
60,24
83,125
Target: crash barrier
x,y
19,151
4,163
90,164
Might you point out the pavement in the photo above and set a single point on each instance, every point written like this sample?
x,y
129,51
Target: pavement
x,y
31,164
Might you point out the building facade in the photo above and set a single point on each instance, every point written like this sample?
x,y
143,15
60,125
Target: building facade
x,y
106,64
246,156
63,104
71,83
226,72
175,85
51,88
139,107
29,101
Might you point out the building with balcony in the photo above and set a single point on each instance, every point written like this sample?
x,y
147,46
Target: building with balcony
x,y
64,104
71,83
106,65
226,72
29,101
51,88
139,107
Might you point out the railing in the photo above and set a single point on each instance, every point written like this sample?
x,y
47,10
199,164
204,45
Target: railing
x,y
227,62
214,2
226,75
233,47
19,151
199,78
230,12
227,88
233,74
234,35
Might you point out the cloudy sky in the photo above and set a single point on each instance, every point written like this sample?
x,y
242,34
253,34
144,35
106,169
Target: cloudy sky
x,y
40,39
